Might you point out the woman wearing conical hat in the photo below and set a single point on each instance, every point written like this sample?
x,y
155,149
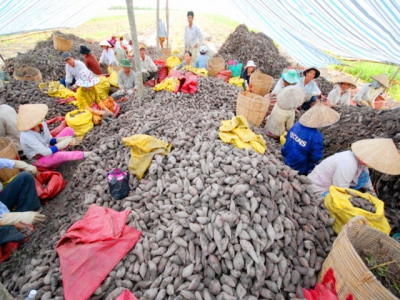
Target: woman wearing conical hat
x,y
37,143
340,95
304,143
367,94
350,168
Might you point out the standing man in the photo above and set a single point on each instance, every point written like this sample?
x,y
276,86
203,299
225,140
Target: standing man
x,y
163,33
193,38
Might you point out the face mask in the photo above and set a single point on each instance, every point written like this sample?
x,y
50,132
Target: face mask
x,y
375,84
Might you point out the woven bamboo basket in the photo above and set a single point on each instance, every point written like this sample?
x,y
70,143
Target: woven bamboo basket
x,y
351,273
28,74
7,150
166,51
215,65
252,106
260,83
61,44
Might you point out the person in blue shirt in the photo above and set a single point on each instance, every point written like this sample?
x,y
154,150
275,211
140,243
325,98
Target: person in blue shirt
x,y
304,144
203,58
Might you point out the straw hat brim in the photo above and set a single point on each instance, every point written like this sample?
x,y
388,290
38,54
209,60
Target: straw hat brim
x,y
382,79
319,116
379,154
30,115
317,72
105,43
291,97
346,80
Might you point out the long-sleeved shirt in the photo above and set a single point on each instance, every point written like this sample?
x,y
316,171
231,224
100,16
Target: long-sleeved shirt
x,y
245,76
34,142
341,169
278,87
85,97
181,65
202,61
310,88
148,64
193,36
8,124
92,64
303,148
121,54
280,120
108,58
127,82
161,28
73,72
336,98
367,93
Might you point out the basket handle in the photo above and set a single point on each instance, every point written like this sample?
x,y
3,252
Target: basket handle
x,y
356,219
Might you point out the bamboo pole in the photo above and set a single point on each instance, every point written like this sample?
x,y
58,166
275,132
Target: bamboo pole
x,y
4,294
167,19
391,79
132,25
157,26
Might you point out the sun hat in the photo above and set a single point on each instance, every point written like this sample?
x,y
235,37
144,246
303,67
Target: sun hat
x,y
105,43
66,55
125,63
83,49
346,79
291,97
203,49
382,79
30,115
319,116
291,76
87,79
250,63
317,72
379,154
142,46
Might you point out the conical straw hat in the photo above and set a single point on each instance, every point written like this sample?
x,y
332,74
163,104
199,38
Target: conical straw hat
x,y
319,116
347,79
291,97
379,154
29,115
382,79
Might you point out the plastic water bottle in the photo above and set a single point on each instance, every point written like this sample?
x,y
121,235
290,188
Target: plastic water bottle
x,y
31,295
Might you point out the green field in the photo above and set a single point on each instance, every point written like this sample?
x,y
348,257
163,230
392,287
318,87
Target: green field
x,y
370,69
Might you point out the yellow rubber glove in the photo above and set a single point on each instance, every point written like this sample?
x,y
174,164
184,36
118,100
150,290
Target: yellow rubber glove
x,y
29,217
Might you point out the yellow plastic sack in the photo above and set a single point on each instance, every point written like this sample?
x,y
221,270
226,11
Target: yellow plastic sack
x,y
236,131
198,71
80,121
282,138
237,81
103,87
168,84
172,62
143,148
339,206
56,89
113,78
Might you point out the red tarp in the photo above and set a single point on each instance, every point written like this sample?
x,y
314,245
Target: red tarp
x,y
126,295
91,248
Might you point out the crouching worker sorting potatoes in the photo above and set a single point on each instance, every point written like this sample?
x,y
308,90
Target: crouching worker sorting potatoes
x,y
37,143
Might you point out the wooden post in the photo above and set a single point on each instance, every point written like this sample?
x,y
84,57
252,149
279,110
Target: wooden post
x,y
158,27
132,25
167,19
4,294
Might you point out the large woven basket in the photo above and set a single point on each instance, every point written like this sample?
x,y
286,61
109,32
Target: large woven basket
x,y
260,83
28,74
7,150
215,65
252,106
61,44
351,273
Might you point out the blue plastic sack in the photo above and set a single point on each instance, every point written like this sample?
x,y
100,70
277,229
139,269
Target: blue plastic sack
x,y
236,69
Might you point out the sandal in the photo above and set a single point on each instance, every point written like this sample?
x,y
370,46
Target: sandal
x,y
28,231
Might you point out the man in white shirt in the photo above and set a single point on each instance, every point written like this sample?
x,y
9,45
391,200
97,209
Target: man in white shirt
x,y
162,33
72,69
193,38
149,68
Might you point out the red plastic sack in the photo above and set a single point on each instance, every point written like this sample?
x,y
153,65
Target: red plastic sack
x,y
117,108
54,183
187,81
54,132
126,295
225,75
163,72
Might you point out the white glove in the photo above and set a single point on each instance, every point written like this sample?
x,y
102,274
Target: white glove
x,y
29,217
75,141
24,166
63,144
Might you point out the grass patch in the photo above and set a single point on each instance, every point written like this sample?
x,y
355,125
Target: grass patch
x,y
370,69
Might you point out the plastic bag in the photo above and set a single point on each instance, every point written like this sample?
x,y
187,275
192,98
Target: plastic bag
x,y
54,183
172,62
80,121
168,84
56,89
201,72
143,148
225,75
282,138
236,81
103,87
236,69
339,206
54,132
113,78
118,183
